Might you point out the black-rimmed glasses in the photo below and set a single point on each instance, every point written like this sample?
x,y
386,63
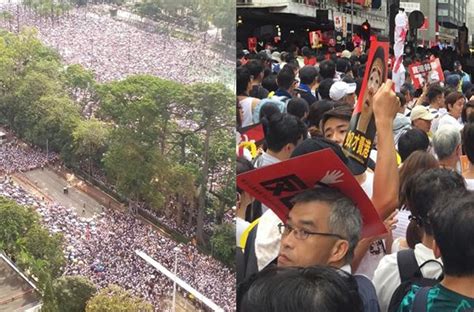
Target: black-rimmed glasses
x,y
286,229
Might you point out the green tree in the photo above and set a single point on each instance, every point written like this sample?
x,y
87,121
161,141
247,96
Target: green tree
x,y
116,299
15,221
223,243
212,110
71,293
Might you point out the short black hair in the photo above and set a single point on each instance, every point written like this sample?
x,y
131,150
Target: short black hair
x,y
270,82
317,110
281,129
468,141
343,112
402,98
255,67
267,110
407,88
464,116
424,188
308,74
297,107
324,87
412,140
243,79
316,288
452,219
434,91
327,69
285,78
343,65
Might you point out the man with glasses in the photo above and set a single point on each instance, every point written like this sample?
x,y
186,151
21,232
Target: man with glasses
x,y
323,228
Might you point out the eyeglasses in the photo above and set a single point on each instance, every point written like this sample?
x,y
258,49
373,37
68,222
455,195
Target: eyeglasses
x,y
286,229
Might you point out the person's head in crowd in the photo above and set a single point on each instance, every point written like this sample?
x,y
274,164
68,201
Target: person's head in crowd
x,y
308,75
324,88
468,141
265,57
447,146
243,198
346,54
327,69
421,118
306,52
422,191
457,67
343,66
408,91
286,80
417,162
283,132
453,81
403,102
267,110
316,288
298,107
412,140
451,221
467,114
316,112
270,83
454,103
344,92
244,84
255,68
435,96
276,57
335,123
323,228
293,65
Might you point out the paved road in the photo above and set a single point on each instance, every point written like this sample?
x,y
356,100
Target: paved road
x,y
51,184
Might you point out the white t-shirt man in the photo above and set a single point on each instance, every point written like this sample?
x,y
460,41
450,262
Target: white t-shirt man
x,y
387,277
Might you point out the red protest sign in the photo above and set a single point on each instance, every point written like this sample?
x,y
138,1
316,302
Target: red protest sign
x,y
275,185
253,133
360,136
429,71
252,43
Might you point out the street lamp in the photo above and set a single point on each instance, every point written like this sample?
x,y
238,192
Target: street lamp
x,y
176,250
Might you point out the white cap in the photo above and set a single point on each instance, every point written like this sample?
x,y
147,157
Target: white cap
x,y
340,89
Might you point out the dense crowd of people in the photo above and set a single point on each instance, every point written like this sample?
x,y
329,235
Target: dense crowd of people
x,y
114,49
15,158
418,174
103,249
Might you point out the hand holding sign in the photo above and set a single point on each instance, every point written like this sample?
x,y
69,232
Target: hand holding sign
x,y
386,103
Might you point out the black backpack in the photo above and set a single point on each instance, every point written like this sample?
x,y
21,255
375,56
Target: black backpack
x,y
410,274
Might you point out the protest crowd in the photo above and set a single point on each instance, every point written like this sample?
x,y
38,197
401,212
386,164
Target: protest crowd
x,y
103,248
303,244
115,49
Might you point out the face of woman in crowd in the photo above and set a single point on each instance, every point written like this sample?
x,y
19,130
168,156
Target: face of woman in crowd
x,y
456,108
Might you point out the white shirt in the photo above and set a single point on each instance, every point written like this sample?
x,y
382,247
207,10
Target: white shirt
x,y
387,278
247,111
470,184
240,226
447,119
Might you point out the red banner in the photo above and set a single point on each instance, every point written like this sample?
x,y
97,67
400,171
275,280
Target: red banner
x,y
429,71
275,185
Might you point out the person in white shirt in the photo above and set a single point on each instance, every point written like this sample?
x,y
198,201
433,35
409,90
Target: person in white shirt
x,y
422,192
454,102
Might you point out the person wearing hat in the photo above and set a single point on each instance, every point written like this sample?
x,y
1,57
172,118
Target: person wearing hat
x,y
276,62
344,92
421,118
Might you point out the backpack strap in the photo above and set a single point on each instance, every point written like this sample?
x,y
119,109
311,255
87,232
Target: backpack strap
x,y
407,265
421,300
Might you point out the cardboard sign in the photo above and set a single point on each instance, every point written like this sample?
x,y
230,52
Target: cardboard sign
x,y
360,136
252,44
275,185
253,133
429,71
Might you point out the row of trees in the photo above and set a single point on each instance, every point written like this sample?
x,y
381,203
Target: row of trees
x,y
155,139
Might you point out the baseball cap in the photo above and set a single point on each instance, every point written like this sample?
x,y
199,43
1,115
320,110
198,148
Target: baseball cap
x,y
339,89
276,56
319,143
346,54
421,112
